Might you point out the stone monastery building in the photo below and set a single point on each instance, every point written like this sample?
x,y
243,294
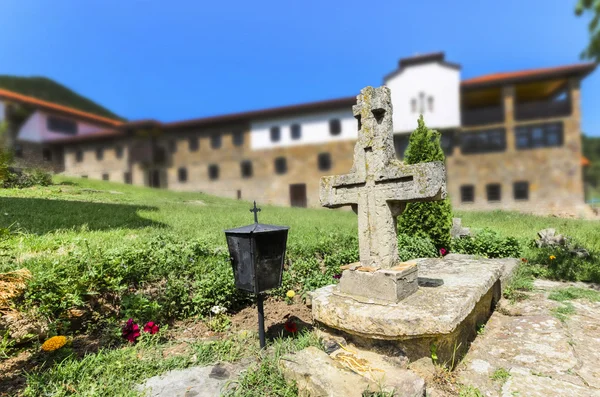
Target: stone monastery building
x,y
512,140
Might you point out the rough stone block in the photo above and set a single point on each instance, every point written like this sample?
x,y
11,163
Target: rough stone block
x,y
390,285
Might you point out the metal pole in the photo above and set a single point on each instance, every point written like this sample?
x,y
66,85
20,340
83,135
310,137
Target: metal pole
x,y
261,320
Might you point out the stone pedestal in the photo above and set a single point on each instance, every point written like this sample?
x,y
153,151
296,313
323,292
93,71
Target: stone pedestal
x,y
456,294
386,285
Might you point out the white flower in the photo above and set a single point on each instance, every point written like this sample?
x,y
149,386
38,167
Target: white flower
x,y
218,309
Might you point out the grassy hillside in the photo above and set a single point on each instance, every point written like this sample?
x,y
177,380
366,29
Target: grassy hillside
x,y
49,90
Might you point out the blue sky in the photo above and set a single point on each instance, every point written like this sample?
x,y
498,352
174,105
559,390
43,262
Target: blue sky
x,y
184,59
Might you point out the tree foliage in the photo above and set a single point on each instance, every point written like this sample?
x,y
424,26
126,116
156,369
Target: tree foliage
x,y
432,219
592,7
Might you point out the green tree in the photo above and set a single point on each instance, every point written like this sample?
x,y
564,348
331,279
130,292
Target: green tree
x,y
592,7
433,218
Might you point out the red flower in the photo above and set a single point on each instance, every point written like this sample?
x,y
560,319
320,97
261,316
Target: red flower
x,y
151,327
337,276
290,326
131,331
523,259
443,251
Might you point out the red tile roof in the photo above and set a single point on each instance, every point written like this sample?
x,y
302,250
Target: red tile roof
x,y
581,69
6,94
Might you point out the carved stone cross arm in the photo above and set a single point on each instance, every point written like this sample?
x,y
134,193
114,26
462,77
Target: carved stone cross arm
x,y
379,186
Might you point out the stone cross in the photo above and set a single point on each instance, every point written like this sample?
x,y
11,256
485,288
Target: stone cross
x,y
378,185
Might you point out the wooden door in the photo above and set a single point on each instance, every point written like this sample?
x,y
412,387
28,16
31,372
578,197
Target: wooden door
x,y
298,195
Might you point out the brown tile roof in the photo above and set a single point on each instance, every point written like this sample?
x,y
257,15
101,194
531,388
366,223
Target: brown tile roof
x,y
585,161
6,94
581,69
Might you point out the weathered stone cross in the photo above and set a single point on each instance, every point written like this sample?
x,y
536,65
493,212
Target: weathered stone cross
x,y
378,185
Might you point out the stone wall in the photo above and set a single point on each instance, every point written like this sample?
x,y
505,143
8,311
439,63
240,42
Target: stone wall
x,y
554,174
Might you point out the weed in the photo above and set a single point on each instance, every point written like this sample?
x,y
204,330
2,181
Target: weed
x,y
480,329
570,293
500,375
563,312
6,345
469,391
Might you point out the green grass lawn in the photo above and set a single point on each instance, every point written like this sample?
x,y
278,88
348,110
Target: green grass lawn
x,y
109,214
88,242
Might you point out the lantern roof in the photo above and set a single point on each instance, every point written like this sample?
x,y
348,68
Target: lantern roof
x,y
256,228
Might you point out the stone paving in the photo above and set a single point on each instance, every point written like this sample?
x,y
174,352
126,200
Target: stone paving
x,y
543,355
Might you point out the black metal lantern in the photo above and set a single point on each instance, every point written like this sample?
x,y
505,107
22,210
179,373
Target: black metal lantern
x,y
257,252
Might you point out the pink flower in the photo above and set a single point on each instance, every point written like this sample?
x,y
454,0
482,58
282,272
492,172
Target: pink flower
x,y
443,251
151,327
131,331
337,276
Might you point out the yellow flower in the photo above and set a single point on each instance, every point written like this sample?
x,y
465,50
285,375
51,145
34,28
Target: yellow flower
x,y
552,257
54,343
290,294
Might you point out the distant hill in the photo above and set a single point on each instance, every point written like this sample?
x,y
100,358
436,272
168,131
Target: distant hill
x,y
51,91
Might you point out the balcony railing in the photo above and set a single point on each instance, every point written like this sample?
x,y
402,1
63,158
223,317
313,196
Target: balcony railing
x,y
482,116
542,110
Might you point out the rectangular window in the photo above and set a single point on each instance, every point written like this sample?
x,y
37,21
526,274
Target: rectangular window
x,y
521,190
487,141
79,156
47,154
238,138
193,144
99,154
494,192
324,160
105,177
246,168
539,135
127,177
182,174
239,194
400,144
215,141
280,165
335,127
213,172
275,134
119,152
172,146
467,194
61,125
296,132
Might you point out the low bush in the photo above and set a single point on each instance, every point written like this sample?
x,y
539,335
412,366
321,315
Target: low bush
x,y
412,247
487,243
25,178
559,263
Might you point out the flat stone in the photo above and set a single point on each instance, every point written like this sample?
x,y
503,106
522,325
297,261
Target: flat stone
x,y
429,311
544,356
209,381
523,382
318,374
389,285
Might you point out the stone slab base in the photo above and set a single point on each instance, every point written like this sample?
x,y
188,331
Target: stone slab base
x,y
387,285
318,374
456,294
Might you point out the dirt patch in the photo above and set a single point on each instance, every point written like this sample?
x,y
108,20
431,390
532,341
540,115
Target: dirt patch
x,y
277,314
12,377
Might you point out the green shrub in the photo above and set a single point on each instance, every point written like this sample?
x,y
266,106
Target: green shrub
x,y
432,219
487,243
559,263
25,178
412,247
